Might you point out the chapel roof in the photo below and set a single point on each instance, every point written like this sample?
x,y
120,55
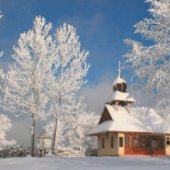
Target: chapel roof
x,y
122,96
137,119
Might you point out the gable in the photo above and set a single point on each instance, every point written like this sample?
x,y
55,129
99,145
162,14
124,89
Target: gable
x,y
105,116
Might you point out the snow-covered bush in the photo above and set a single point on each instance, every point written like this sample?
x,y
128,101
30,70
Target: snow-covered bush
x,y
14,151
5,125
74,133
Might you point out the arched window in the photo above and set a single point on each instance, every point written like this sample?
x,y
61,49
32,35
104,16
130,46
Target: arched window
x,y
127,142
141,141
161,143
134,141
112,141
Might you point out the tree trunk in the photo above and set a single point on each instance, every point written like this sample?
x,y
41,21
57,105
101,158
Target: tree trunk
x,y
53,142
54,137
33,135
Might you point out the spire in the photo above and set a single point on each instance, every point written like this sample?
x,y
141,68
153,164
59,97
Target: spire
x,y
119,70
119,84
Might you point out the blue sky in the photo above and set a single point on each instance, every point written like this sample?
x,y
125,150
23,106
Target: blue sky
x,y
101,24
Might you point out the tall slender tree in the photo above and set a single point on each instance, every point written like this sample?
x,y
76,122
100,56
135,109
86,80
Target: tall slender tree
x,y
70,70
26,84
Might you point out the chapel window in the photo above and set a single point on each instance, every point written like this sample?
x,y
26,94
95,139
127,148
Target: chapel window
x,y
127,142
141,139
120,141
134,141
112,141
102,142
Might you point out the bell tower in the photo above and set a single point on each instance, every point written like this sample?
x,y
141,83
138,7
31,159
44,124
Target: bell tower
x,y
120,96
119,84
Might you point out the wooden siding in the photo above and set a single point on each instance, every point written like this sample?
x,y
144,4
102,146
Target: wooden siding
x,y
144,144
133,144
105,116
109,149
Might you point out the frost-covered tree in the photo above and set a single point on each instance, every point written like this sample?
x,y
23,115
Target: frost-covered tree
x,y
151,61
74,124
163,107
46,74
25,86
69,69
5,125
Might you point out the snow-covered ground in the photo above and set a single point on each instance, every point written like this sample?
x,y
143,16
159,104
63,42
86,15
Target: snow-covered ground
x,y
86,163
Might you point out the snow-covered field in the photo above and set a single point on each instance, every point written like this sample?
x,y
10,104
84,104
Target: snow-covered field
x,y
86,163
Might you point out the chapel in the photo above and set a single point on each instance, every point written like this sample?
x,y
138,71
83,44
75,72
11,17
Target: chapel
x,y
127,130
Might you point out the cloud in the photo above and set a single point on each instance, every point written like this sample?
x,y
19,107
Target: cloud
x,y
97,95
20,130
88,26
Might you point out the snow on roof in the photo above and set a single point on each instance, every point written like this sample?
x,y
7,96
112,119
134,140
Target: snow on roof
x,y
139,119
122,96
119,80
